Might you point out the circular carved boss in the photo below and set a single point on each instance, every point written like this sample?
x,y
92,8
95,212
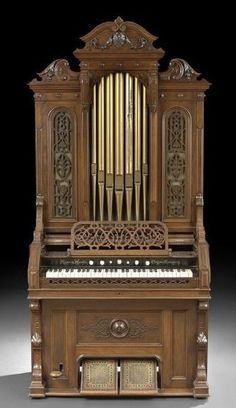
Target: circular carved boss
x,y
119,328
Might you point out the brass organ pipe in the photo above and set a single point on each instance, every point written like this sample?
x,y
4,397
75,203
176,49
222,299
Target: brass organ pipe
x,y
119,142
128,143
144,150
117,123
109,144
137,147
101,140
101,125
94,149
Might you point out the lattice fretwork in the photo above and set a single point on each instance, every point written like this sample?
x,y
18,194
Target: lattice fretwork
x,y
176,151
62,162
145,235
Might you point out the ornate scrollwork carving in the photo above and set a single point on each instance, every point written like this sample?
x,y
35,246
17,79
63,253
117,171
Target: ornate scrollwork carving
x,y
58,70
202,338
119,235
119,328
179,69
119,38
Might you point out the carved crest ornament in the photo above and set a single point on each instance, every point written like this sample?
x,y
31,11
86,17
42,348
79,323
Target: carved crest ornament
x,y
119,38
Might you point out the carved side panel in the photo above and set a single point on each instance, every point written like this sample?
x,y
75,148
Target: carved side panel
x,y
62,148
176,156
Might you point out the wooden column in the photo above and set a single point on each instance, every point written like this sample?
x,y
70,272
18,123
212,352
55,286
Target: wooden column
x,y
37,389
200,389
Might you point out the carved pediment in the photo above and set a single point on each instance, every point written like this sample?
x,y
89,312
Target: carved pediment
x,y
179,69
117,35
58,70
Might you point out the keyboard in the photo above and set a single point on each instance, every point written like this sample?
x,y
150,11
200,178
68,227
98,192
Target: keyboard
x,y
104,273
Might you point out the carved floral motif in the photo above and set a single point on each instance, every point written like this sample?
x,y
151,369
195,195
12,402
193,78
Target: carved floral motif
x,y
202,338
36,339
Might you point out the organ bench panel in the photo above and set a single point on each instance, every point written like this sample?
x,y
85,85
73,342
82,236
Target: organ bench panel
x,y
119,274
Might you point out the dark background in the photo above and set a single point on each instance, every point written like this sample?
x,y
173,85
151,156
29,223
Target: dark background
x,y
48,31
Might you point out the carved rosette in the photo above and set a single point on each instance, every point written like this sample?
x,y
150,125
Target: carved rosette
x,y
179,69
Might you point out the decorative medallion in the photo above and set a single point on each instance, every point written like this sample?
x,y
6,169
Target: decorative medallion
x,y
119,328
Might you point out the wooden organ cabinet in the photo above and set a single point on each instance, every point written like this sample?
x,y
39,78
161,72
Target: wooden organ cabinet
x,y
119,274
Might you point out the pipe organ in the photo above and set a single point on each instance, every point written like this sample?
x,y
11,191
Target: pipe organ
x,y
119,148
119,273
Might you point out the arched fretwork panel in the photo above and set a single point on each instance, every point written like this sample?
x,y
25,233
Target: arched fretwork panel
x,y
62,147
176,159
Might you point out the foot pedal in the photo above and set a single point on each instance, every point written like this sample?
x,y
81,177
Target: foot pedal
x,y
138,377
99,377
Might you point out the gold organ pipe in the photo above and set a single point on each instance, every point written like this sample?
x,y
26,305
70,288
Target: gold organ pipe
x,y
137,147
117,122
119,142
101,141
109,144
94,149
128,143
119,156
144,150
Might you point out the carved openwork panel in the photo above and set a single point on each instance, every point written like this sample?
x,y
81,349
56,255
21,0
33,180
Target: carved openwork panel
x,y
62,151
176,158
119,236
